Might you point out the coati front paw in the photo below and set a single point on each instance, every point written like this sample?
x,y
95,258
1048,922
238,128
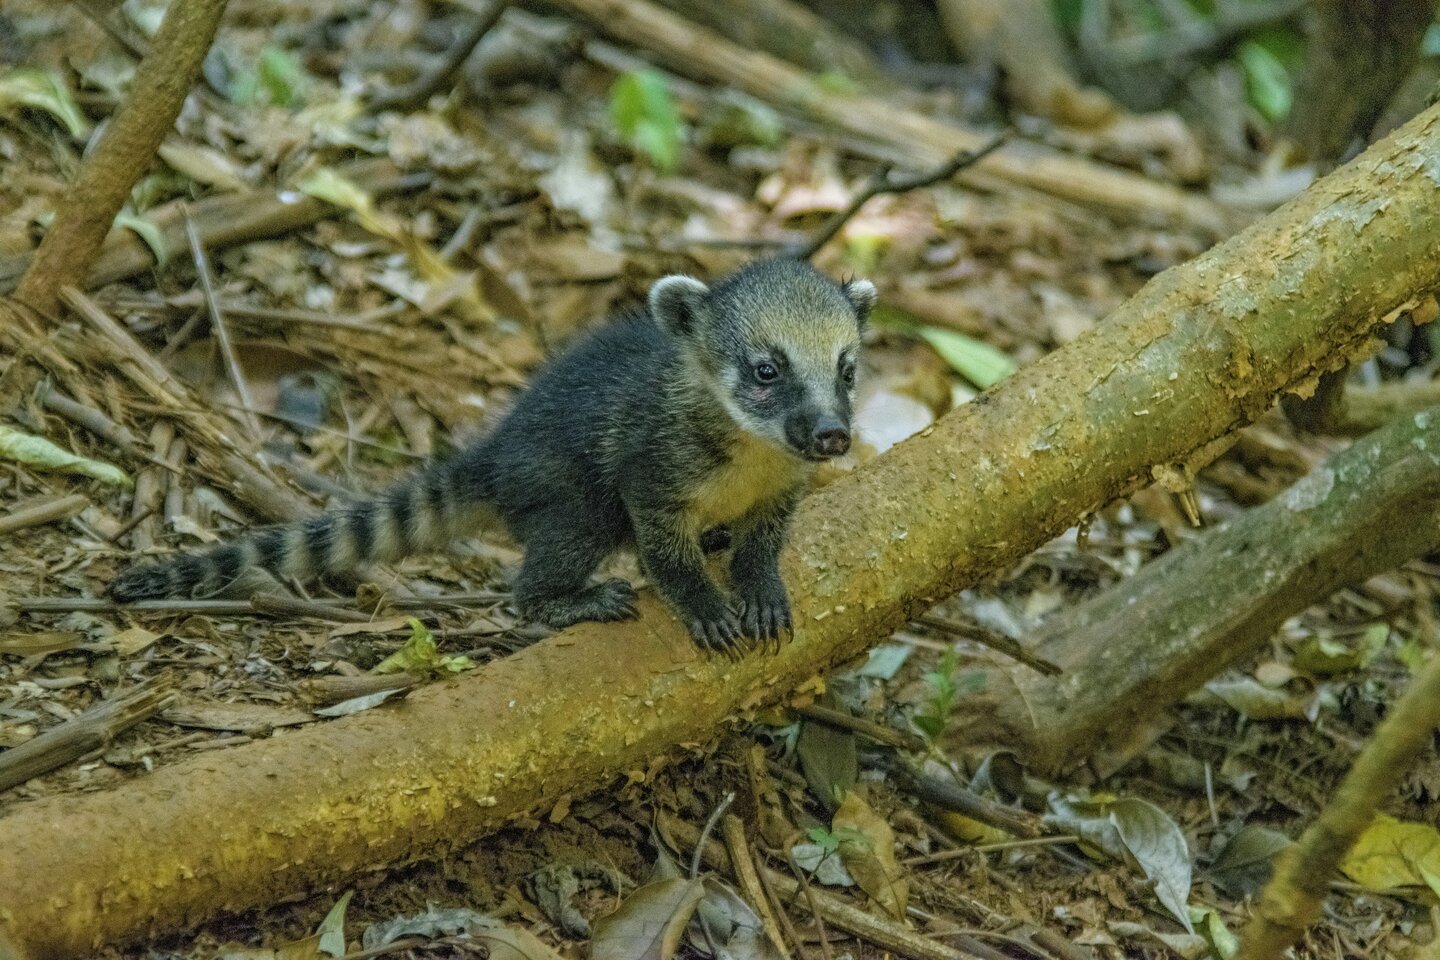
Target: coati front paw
x,y
765,610
718,629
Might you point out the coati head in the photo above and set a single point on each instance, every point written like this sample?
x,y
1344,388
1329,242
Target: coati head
x,y
778,343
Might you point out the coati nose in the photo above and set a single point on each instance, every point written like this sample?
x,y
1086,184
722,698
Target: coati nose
x,y
830,438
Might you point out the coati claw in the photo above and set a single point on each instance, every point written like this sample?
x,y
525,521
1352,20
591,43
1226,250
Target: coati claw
x,y
765,614
722,634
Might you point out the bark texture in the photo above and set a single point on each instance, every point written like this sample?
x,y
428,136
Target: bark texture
x,y
1203,349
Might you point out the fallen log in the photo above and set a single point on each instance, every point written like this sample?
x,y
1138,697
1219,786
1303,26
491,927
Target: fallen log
x,y
1132,651
704,54
1203,349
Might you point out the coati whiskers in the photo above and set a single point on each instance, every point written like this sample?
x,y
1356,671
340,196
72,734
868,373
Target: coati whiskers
x,y
707,409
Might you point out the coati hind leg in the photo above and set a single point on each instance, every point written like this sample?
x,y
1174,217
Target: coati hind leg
x,y
552,585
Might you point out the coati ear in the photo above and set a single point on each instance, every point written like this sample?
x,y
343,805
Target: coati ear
x,y
675,303
862,296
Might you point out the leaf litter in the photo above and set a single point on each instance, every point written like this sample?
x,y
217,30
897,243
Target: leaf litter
x,y
447,295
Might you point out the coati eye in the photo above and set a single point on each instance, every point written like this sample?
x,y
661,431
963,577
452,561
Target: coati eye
x,y
766,372
847,374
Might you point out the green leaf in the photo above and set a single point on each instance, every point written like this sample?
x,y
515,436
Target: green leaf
x,y
281,77
40,453
332,928
42,90
1266,81
148,231
421,655
645,117
973,359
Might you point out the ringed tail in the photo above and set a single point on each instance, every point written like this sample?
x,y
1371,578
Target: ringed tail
x,y
423,513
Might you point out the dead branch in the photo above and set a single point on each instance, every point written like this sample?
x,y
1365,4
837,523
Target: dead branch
x,y
701,53
224,221
90,731
1133,651
788,30
1292,899
47,511
884,181
446,66
1203,349
125,149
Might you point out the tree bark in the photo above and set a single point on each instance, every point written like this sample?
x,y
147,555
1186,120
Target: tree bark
x,y
1134,650
1358,55
125,149
1202,350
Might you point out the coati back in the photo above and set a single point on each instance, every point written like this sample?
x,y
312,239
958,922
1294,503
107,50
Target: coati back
x,y
708,408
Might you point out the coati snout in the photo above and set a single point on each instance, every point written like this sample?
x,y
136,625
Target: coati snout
x,y
779,347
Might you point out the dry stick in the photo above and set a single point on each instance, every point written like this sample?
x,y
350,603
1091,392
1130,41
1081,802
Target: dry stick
x,y
733,830
882,182
88,417
951,796
994,639
206,435
839,719
879,931
58,508
124,150
420,89
217,325
226,220
704,54
83,734
341,609
1292,899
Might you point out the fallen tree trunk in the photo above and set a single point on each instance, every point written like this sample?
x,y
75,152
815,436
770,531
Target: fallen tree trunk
x,y
1203,349
1134,650
701,53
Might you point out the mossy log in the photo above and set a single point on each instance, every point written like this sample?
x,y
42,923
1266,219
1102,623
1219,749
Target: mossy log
x,y
1203,349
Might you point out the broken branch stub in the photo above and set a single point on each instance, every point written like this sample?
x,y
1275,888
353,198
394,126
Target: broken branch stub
x,y
1203,349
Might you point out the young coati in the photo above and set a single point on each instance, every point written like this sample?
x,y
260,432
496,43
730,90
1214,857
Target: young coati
x,y
707,410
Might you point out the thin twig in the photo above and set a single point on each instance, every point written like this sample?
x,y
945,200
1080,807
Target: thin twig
x,y
217,324
230,608
994,639
417,91
48,511
882,182
878,732
816,913
1292,900
733,830
946,855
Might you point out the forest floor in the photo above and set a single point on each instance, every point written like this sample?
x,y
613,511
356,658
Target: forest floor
x,y
369,344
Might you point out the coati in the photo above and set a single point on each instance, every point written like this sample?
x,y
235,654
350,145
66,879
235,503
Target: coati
x,y
707,409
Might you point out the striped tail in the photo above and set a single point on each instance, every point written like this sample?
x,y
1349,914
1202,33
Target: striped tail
x,y
423,513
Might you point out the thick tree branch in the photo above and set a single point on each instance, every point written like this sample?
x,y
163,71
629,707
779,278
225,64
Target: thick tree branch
x,y
1134,650
1203,349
